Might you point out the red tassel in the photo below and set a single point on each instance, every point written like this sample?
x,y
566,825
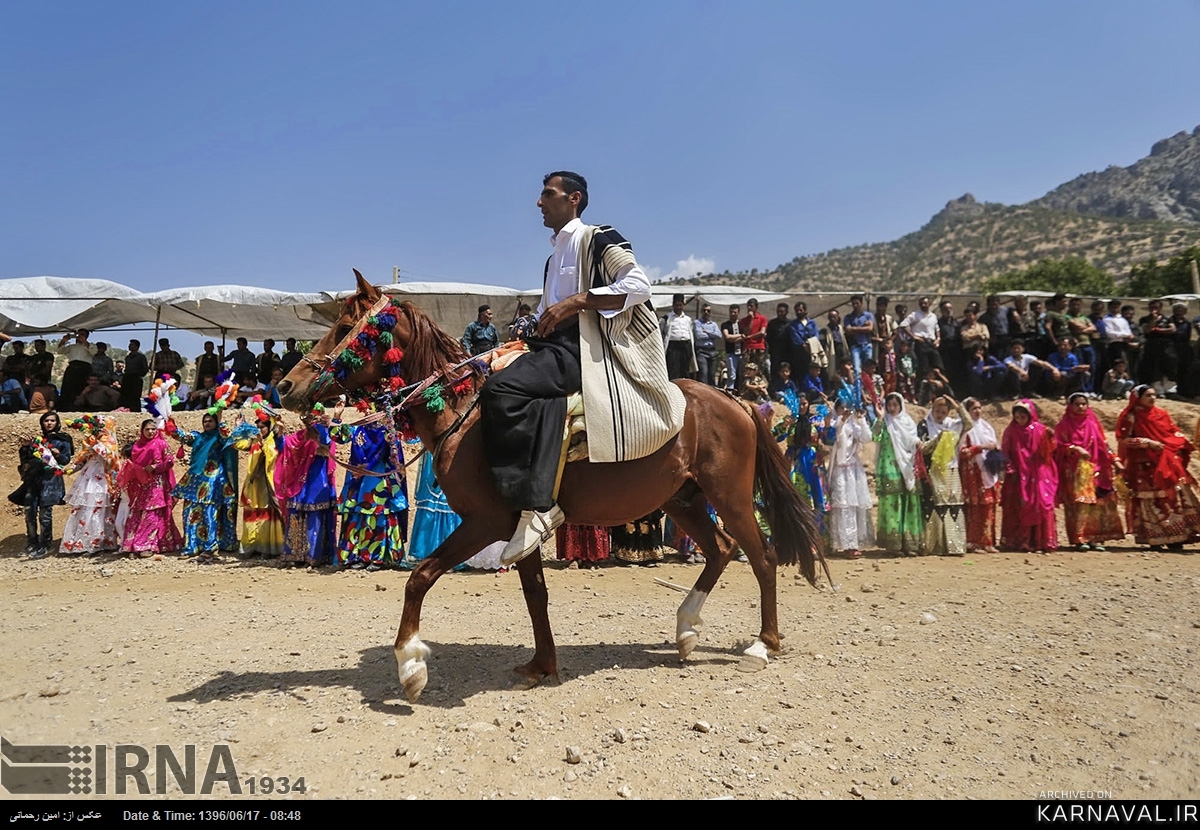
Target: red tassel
x,y
370,331
363,405
396,382
179,452
463,386
393,355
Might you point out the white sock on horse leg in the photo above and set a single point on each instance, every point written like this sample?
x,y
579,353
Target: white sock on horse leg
x,y
687,618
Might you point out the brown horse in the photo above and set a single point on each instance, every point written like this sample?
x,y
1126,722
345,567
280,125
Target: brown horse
x,y
708,462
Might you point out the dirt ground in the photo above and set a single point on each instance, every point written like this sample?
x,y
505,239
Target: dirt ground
x,y
986,676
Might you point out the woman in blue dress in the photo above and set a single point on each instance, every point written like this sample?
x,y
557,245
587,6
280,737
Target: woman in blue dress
x,y
434,520
209,488
304,482
374,508
808,471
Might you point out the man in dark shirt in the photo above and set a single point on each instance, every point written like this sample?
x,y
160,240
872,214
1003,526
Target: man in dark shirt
x,y
1185,382
995,317
777,338
208,363
243,359
41,362
167,361
290,357
1159,332
136,367
267,361
481,336
733,349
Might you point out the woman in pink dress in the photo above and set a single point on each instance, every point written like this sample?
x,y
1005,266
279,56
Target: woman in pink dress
x,y
1030,484
148,479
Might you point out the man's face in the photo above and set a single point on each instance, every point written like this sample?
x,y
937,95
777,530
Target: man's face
x,y
733,312
801,310
993,305
486,317
923,304
947,310
1075,306
557,206
291,344
834,318
706,313
677,307
752,309
133,346
1127,313
781,311
39,346
208,348
856,305
93,382
242,343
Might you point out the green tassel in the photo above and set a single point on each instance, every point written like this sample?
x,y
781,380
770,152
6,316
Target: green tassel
x,y
433,398
385,338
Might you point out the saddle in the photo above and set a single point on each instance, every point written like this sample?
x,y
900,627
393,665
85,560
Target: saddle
x,y
575,446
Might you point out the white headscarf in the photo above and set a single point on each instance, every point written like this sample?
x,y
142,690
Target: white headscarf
x,y
902,431
979,434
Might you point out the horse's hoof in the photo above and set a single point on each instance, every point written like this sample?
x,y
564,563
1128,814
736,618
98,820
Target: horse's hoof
x,y
754,658
686,643
413,677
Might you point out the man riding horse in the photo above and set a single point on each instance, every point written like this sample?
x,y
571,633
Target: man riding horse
x,y
597,334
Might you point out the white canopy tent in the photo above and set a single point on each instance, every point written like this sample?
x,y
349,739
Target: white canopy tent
x,y
40,305
240,311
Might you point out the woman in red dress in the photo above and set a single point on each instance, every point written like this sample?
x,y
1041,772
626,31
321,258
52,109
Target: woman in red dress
x,y
1163,508
977,455
1030,483
1085,477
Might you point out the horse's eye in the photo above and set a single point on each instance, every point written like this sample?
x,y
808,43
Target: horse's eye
x,y
342,332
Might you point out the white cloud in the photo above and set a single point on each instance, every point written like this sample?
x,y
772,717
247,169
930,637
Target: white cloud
x,y
684,268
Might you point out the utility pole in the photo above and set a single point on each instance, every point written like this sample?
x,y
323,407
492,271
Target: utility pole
x,y
1195,277
395,274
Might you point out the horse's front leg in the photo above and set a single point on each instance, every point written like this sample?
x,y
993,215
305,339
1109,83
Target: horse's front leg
x,y
533,584
472,536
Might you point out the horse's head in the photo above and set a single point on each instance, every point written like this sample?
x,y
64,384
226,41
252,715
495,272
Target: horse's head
x,y
296,390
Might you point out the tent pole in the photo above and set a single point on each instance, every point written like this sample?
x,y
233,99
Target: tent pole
x,y
154,343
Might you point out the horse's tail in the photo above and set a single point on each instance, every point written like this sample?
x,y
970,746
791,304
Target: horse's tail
x,y
791,519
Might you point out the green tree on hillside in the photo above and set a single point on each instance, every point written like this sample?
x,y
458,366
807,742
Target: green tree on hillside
x,y
1074,275
1150,279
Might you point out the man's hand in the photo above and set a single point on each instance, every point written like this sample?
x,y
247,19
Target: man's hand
x,y
560,313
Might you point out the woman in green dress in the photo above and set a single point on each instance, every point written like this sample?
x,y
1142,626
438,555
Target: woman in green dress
x,y
901,523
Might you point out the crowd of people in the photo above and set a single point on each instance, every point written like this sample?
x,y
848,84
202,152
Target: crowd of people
x,y
92,381
946,484
992,352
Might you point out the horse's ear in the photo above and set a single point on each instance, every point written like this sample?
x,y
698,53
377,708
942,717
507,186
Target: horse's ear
x,y
365,288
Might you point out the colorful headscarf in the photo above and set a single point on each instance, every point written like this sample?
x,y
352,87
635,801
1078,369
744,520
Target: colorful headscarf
x,y
1085,431
1156,424
1031,464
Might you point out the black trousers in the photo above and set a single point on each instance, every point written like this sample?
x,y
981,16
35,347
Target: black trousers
x,y
74,380
524,410
679,359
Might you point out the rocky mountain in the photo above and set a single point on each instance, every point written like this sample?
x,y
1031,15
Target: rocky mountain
x,y
1163,185
1113,218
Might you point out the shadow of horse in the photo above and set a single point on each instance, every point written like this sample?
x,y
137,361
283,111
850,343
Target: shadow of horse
x,y
467,668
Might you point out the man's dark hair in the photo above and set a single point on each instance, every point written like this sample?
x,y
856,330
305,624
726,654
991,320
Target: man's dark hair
x,y
882,301
572,183
858,297
524,308
483,308
136,343
677,298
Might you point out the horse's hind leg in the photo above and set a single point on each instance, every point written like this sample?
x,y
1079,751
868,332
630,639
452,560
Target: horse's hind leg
x,y
718,549
740,521
533,584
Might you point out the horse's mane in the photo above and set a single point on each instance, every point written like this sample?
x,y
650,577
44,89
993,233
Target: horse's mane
x,y
429,348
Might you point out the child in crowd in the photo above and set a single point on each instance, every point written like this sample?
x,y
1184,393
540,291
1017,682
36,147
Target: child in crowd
x,y
933,386
754,386
785,388
872,388
985,374
1117,382
814,387
846,387
888,367
906,369
1073,375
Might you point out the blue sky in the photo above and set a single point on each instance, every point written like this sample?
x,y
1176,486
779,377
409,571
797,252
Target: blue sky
x,y
281,144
